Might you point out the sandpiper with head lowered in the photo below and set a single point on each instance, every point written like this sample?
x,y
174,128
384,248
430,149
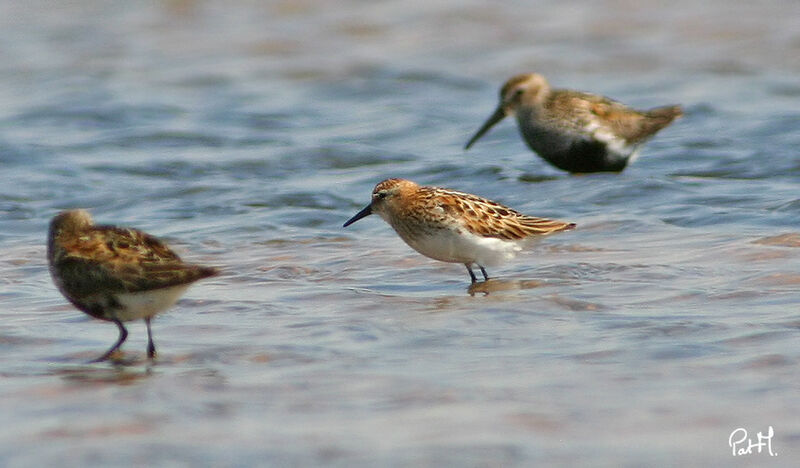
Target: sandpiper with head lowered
x,y
116,274
575,131
453,226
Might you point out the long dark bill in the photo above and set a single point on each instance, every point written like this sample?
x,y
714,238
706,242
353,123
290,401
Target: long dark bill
x,y
498,115
361,214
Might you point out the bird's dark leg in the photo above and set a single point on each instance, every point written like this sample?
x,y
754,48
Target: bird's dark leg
x,y
485,276
471,273
151,347
123,335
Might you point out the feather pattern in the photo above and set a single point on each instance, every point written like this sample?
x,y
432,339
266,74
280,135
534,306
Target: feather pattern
x,y
119,260
483,217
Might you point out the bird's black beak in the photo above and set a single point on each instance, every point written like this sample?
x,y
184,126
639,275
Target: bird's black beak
x,y
498,115
361,214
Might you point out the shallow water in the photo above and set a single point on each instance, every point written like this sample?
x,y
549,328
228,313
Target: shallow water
x,y
246,133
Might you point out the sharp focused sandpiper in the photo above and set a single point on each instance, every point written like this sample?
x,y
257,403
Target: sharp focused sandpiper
x,y
455,227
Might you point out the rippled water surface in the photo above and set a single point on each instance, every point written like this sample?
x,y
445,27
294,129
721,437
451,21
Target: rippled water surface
x,y
246,133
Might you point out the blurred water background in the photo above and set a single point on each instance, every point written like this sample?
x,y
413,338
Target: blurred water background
x,y
247,132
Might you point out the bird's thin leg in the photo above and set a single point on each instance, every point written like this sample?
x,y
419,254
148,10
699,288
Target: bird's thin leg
x,y
151,347
485,276
471,273
123,335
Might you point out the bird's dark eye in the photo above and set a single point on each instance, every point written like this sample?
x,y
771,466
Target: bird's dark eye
x,y
518,92
381,195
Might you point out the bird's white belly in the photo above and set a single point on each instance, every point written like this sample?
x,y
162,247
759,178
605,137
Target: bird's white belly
x,y
451,246
144,304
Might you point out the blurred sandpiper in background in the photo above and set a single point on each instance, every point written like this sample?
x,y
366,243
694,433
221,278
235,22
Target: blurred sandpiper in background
x,y
246,133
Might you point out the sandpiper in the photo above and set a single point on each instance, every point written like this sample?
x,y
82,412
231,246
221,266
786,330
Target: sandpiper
x,y
575,131
455,227
116,274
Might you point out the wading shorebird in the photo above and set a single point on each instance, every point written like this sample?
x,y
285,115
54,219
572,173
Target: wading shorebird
x,y
575,131
116,274
455,227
